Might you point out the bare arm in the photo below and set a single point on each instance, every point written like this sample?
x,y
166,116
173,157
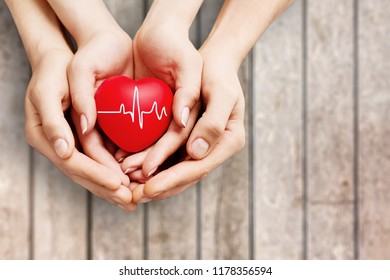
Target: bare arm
x,y
239,25
38,27
85,18
47,97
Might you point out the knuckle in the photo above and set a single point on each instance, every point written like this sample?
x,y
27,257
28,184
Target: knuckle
x,y
204,173
50,127
214,128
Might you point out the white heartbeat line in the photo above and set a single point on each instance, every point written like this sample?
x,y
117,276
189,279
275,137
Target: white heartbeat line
x,y
136,105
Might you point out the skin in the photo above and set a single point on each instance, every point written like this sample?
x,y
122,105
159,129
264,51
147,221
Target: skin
x,y
219,133
161,49
48,97
103,50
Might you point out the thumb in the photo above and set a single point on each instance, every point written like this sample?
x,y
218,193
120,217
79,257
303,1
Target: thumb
x,y
211,126
187,86
55,126
82,90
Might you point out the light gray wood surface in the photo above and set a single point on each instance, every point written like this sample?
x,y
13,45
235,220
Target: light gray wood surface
x,y
60,216
14,154
374,129
330,139
279,139
114,233
312,181
224,193
172,223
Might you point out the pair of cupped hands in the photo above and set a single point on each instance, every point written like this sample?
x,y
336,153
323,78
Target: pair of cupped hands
x,y
208,112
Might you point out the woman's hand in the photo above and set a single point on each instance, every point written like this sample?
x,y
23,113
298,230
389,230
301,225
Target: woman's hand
x,y
104,55
223,99
46,101
163,50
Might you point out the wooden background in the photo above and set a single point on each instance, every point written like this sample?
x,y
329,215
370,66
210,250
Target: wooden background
x,y
312,183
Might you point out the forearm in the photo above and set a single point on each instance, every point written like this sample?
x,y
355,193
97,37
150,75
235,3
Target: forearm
x,y
183,12
84,18
38,27
239,25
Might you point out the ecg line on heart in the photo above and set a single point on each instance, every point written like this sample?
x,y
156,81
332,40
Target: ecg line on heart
x,y
137,107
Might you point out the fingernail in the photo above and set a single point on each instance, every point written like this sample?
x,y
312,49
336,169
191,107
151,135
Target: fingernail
x,y
144,200
199,148
127,170
121,160
117,200
157,194
152,172
60,147
185,114
83,123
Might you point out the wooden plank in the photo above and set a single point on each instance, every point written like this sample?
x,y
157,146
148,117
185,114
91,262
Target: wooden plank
x,y
330,129
172,223
115,233
128,14
278,143
374,128
14,152
60,214
224,193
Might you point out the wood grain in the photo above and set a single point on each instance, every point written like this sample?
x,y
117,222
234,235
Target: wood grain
x,y
224,193
60,214
172,223
330,129
116,234
278,142
374,129
14,152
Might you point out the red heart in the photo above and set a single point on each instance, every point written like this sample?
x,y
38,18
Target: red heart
x,y
133,114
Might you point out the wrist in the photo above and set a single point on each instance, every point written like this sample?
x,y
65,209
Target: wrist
x,y
220,54
179,13
84,19
39,57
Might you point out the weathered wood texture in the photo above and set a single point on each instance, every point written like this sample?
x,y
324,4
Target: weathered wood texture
x,y
311,182
330,144
59,214
224,193
172,223
278,139
14,153
114,233
374,129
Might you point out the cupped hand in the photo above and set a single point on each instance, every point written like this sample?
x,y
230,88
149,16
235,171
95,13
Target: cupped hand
x,y
164,51
105,54
49,133
223,120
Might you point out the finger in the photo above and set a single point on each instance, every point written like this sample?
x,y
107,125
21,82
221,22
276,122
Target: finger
x,y
169,143
120,155
138,176
93,146
139,196
109,145
54,124
127,207
174,191
188,171
134,161
187,85
210,127
82,89
76,165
